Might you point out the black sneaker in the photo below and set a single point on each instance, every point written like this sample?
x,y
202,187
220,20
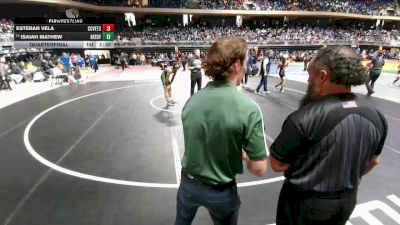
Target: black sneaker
x,y
370,93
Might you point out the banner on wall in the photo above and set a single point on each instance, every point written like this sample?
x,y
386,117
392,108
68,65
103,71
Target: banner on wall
x,y
185,19
130,19
72,13
239,21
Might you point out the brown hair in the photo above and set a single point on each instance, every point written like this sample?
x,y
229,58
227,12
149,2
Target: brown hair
x,y
222,55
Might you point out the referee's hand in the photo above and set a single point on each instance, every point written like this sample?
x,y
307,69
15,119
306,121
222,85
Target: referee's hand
x,y
244,155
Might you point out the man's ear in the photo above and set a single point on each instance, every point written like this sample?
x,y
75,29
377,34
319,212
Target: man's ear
x,y
324,76
237,64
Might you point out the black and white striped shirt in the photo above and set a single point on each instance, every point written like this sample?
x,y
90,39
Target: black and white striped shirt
x,y
330,143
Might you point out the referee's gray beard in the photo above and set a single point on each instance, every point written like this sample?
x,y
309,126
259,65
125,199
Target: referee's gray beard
x,y
310,96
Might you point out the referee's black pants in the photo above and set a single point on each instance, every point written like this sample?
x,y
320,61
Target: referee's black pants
x,y
373,76
195,79
297,207
245,78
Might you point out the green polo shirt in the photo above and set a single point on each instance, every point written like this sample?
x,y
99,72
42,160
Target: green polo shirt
x,y
218,122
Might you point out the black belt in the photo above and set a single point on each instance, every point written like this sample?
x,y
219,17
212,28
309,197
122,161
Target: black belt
x,y
208,184
330,194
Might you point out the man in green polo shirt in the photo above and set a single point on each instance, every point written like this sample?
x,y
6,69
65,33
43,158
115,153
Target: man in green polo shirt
x,y
222,126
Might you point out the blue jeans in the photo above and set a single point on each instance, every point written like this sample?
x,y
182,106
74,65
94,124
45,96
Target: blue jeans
x,y
263,82
223,205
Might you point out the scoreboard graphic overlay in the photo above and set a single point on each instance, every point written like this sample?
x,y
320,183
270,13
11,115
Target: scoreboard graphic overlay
x,y
90,33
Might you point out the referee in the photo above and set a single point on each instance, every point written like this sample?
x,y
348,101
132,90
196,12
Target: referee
x,y
327,145
195,72
375,66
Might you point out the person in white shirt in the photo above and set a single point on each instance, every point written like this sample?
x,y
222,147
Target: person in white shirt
x,y
264,72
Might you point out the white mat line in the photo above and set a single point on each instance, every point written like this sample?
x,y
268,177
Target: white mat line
x,y
177,159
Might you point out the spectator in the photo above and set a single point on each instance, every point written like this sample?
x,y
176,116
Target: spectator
x,y
15,73
294,33
373,8
215,134
4,76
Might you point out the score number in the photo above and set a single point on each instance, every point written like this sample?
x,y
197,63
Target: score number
x,y
108,27
108,36
108,32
